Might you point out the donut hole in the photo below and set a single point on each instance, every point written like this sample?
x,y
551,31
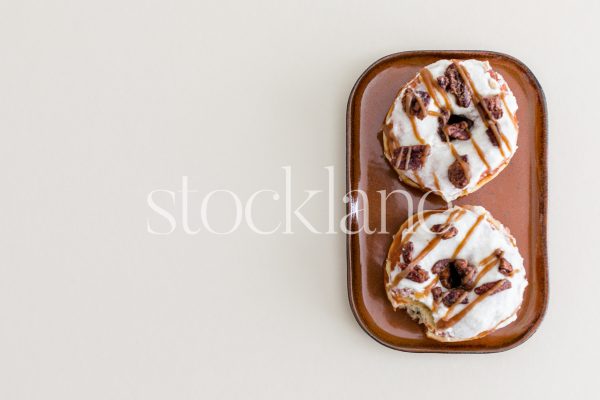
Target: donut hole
x,y
455,127
457,119
455,273
454,279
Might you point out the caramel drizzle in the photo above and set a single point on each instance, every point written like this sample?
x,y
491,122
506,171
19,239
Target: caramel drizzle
x,y
510,115
433,87
455,154
392,141
446,323
456,251
480,154
427,81
428,288
467,236
484,115
421,103
457,157
430,83
414,127
467,78
489,258
394,252
487,264
454,216
437,182
496,133
418,178
453,306
407,159
410,233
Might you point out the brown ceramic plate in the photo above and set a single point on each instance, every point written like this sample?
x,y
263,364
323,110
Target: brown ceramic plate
x,y
517,197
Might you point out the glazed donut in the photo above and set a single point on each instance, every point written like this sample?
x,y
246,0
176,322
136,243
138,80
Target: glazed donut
x,y
457,271
452,128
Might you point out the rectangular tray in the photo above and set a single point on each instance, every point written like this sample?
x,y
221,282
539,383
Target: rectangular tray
x,y
517,198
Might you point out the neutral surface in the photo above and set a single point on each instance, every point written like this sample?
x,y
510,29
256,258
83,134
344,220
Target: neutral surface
x,y
103,102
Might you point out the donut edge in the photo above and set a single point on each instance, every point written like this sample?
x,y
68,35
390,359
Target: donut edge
x,y
419,311
408,181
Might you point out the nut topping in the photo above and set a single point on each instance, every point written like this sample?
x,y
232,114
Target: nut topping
x,y
453,296
505,267
410,157
459,172
453,127
458,131
440,265
455,274
452,82
436,292
415,102
418,274
493,106
407,250
445,231
486,287
492,133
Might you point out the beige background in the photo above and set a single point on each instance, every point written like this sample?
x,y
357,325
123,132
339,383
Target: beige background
x,y
102,102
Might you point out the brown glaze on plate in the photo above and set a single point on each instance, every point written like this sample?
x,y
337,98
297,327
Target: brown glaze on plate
x,y
517,198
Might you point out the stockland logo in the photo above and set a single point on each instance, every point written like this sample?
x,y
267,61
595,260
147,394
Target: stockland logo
x,y
172,210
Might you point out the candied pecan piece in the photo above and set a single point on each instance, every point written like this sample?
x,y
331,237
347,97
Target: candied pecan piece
x,y
440,265
466,272
418,274
456,86
445,277
415,102
410,157
458,131
492,136
407,250
493,106
454,127
492,133
436,292
445,231
498,252
486,287
443,82
461,265
468,283
444,117
459,172
419,108
505,267
453,296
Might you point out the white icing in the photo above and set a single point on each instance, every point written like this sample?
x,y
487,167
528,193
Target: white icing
x,y
441,156
494,311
